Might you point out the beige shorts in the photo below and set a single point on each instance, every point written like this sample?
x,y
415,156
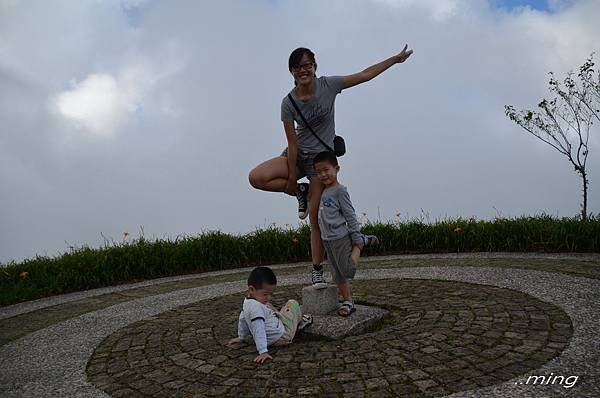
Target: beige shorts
x,y
290,315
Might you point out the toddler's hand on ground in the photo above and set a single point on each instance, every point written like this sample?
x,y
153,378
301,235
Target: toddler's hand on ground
x,y
262,357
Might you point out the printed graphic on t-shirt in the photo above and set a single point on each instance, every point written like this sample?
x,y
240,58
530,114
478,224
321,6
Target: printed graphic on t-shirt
x,y
315,116
328,202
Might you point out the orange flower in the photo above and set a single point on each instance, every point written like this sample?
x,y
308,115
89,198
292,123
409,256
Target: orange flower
x,y
295,240
125,233
24,274
457,230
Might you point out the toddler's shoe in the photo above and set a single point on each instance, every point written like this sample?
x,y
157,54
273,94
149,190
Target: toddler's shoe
x,y
305,322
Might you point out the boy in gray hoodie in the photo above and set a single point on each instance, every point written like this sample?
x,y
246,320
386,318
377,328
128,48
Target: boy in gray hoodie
x,y
340,231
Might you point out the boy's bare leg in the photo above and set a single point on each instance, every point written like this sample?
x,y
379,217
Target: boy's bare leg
x,y
344,288
355,254
357,249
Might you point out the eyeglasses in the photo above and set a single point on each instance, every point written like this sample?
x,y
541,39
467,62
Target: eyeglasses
x,y
306,66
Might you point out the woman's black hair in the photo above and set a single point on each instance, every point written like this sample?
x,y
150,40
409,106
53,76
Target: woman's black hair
x,y
297,55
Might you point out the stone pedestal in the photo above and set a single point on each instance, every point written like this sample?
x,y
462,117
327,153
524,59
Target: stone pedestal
x,y
322,304
319,301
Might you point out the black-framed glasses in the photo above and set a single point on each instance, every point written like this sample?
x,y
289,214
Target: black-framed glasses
x,y
305,66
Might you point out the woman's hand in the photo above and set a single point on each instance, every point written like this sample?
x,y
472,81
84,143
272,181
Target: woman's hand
x,y
291,188
404,54
236,340
262,357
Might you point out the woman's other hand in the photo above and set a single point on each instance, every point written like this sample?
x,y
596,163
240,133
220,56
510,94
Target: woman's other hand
x,y
291,188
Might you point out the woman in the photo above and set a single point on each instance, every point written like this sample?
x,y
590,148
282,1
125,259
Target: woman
x,y
315,97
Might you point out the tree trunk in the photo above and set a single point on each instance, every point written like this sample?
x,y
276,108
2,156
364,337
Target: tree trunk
x,y
584,205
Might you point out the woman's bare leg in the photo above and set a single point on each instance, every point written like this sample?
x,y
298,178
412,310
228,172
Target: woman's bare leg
x,y
314,199
271,175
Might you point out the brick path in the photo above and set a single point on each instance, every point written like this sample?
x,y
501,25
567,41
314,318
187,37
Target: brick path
x,y
442,337
450,331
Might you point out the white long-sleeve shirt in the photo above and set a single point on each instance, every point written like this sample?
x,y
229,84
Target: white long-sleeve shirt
x,y
261,322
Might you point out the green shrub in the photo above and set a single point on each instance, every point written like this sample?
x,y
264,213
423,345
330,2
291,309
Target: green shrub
x,y
88,268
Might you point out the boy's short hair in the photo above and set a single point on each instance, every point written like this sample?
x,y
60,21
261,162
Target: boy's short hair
x,y
261,275
326,156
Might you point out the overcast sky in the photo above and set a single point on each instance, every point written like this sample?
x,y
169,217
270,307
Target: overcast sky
x,y
122,115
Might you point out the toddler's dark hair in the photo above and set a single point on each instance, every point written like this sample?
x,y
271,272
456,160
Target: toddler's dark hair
x,y
326,156
261,275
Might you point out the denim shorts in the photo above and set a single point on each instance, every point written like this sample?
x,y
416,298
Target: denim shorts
x,y
304,164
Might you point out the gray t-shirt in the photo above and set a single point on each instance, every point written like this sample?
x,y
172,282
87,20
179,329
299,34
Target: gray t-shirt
x,y
318,111
337,218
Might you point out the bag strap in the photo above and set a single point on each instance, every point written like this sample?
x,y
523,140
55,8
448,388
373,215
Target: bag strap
x,y
308,125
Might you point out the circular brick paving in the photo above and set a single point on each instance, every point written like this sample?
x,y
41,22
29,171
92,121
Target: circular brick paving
x,y
441,337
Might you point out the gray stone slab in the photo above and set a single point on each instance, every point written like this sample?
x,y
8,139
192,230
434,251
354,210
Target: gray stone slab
x,y
333,326
319,301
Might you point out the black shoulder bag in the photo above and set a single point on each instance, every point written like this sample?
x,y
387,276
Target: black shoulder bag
x,y
339,146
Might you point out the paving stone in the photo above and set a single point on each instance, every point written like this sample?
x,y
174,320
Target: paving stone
x,y
150,389
353,386
416,374
125,392
312,390
376,383
434,341
430,349
425,384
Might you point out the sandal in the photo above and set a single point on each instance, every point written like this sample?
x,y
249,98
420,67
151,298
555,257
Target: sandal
x,y
346,309
305,322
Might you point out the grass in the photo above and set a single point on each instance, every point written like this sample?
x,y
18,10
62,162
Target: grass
x,y
88,268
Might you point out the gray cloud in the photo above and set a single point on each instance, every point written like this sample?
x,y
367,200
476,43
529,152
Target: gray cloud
x,y
198,87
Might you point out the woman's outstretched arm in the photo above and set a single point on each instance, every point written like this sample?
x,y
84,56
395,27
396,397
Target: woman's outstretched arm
x,y
374,70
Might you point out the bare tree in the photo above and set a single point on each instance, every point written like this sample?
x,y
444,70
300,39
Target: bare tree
x,y
565,121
